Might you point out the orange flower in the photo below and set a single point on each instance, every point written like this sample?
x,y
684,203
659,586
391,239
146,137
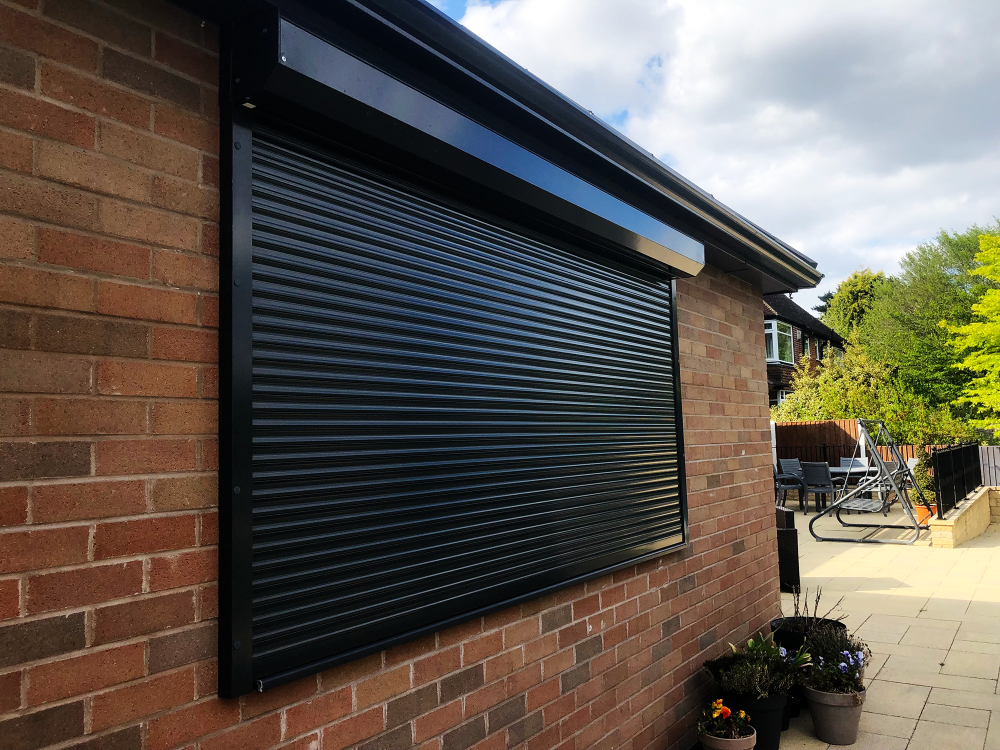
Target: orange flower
x,y
725,712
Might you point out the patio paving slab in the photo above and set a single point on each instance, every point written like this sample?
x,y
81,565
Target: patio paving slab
x,y
932,619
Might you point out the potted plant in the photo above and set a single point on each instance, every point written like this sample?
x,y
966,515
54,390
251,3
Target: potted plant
x,y
720,728
834,685
922,475
792,632
755,678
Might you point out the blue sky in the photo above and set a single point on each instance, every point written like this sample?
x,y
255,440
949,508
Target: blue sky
x,y
852,129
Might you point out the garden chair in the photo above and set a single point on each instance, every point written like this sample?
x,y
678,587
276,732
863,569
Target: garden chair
x,y
818,482
785,482
793,467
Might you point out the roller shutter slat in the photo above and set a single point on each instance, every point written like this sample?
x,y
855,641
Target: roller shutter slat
x,y
448,413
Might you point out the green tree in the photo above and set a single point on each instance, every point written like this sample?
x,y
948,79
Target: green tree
x,y
902,327
857,386
824,302
978,342
850,303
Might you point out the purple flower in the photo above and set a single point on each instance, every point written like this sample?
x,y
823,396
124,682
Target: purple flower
x,y
861,657
843,667
783,652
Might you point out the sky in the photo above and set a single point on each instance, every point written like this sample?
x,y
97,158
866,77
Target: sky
x,y
851,129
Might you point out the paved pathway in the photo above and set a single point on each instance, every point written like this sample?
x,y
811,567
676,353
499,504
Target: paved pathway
x,y
932,619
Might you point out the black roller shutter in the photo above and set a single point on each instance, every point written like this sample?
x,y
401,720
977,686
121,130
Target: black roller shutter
x,y
449,413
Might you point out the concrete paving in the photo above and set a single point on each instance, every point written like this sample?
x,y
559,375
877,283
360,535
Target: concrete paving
x,y
932,620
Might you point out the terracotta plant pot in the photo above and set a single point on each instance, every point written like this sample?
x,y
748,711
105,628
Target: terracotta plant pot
x,y
836,716
765,717
923,516
718,743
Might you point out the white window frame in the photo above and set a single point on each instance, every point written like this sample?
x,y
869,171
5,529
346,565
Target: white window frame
x,y
782,395
806,349
774,332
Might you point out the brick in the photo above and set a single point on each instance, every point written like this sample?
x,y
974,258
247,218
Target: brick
x,y
46,201
406,707
463,682
15,330
397,739
182,493
148,150
129,738
466,735
13,506
183,569
43,548
210,239
197,418
156,694
27,286
93,254
210,454
210,311
575,677
15,417
16,153
148,225
482,647
209,601
185,345
17,68
186,197
70,416
95,96
86,673
165,16
527,727
118,622
150,79
506,713
254,735
93,336
184,647
255,704
71,502
353,730
186,271
146,379
380,687
352,671
144,535
436,665
309,742
557,618
210,171
188,59
43,728
436,722
26,372
103,23
187,128
144,456
10,692
17,238
207,677
210,382
77,588
38,117
43,460
10,598
21,30
190,722
319,711
41,639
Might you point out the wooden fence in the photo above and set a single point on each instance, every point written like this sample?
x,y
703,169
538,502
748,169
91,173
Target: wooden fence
x,y
828,440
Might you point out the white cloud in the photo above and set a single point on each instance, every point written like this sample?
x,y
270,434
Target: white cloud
x,y
851,129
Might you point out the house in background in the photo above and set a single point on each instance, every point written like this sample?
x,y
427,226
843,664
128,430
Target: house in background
x,y
791,333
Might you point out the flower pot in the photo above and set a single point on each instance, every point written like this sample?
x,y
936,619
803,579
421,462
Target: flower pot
x,y
923,515
789,637
718,743
765,716
836,716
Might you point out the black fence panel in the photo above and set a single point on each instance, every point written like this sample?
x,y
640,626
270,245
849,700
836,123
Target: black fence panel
x,y
957,472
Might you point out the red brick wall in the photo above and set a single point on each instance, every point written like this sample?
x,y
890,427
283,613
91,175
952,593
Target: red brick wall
x,y
108,455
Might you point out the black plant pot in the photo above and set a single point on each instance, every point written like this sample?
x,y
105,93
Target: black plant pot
x,y
765,716
787,635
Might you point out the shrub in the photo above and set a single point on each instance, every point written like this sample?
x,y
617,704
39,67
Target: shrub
x,y
759,669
